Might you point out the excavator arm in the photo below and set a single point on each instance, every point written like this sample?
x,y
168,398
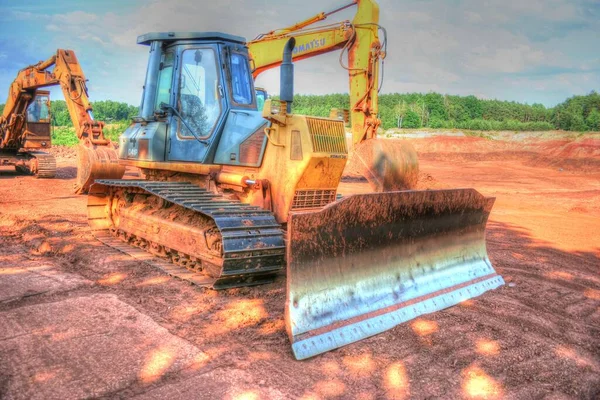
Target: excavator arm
x,y
358,39
96,155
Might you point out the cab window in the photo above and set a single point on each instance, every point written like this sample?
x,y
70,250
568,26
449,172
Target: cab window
x,y
261,96
199,103
38,110
163,90
241,87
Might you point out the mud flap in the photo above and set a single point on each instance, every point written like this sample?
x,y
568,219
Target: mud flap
x,y
369,262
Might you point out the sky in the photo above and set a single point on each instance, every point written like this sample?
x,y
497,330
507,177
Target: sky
x,y
530,51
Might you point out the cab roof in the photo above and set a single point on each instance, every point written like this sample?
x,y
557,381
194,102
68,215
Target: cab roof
x,y
173,36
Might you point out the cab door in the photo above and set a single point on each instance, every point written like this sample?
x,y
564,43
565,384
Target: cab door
x,y
200,104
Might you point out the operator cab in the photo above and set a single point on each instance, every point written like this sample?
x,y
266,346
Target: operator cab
x,y
37,127
198,103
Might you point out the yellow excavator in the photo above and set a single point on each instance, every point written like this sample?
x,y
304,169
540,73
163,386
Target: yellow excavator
x,y
25,123
233,194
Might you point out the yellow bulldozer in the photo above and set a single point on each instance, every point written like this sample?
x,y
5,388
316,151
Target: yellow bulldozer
x,y
25,123
233,195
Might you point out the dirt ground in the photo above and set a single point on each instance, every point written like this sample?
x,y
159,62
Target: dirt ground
x,y
80,320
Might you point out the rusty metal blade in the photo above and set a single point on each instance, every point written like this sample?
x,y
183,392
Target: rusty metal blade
x,y
369,262
96,162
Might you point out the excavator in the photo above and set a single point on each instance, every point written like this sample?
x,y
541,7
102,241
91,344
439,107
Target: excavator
x,y
233,194
23,134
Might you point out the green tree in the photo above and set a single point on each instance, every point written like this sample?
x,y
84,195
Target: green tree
x,y
60,113
593,120
400,111
578,123
435,106
411,120
473,106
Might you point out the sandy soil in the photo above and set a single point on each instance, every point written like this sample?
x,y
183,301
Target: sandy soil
x,y
81,320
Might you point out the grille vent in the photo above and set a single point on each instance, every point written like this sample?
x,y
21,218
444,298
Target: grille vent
x,y
313,198
327,136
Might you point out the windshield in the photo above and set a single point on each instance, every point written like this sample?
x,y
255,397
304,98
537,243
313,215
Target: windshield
x,y
199,103
240,79
38,110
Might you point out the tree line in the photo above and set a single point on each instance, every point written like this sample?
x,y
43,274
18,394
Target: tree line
x,y
434,110
415,110
106,110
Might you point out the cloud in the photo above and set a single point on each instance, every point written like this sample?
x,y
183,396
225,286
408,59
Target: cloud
x,y
510,49
507,60
25,15
473,17
418,17
75,18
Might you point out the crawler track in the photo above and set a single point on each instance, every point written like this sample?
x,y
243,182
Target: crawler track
x,y
46,165
232,244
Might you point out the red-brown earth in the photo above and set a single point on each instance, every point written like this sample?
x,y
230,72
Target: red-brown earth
x,y
80,320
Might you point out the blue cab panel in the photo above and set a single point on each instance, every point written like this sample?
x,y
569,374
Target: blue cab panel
x,y
144,142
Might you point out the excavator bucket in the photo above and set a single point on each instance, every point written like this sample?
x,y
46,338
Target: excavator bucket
x,y
96,162
388,165
369,262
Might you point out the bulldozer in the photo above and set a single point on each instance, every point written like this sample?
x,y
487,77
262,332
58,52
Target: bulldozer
x,y
234,195
25,123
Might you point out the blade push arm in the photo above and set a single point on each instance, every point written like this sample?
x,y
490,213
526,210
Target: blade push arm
x,y
357,38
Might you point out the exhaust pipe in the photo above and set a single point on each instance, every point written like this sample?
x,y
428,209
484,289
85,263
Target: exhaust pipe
x,y
286,84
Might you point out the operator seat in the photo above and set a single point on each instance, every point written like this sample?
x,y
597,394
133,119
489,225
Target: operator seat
x,y
194,113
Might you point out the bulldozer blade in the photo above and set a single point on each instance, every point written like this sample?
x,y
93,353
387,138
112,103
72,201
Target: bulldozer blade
x,y
369,262
96,162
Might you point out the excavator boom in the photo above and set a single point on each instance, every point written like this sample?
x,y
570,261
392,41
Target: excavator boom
x,y
358,38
